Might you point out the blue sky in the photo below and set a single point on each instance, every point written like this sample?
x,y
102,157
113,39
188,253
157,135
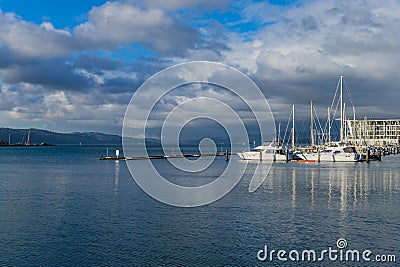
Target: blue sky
x,y
62,14
73,65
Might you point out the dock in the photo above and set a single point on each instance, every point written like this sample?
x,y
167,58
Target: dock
x,y
367,154
226,154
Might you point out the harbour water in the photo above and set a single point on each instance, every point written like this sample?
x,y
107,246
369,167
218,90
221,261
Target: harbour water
x,y
61,206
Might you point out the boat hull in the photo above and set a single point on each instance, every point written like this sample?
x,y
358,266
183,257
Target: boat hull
x,y
253,155
331,157
250,155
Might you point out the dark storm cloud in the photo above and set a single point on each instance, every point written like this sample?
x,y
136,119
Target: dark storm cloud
x,y
13,95
96,62
52,73
119,85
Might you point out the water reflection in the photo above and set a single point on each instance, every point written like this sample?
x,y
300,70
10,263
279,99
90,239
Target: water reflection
x,y
329,191
343,191
312,187
356,179
116,177
334,185
344,185
365,177
293,188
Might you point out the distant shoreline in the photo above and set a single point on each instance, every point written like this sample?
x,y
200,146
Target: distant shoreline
x,y
19,145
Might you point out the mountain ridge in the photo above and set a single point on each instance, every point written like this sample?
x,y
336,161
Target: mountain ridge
x,y
36,136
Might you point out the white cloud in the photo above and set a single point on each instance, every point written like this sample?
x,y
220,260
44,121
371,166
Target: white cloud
x,y
114,24
49,27
57,105
27,40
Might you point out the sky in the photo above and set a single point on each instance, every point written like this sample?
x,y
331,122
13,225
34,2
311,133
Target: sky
x,y
74,65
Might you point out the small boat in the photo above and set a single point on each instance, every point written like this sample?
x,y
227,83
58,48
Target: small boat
x,y
274,151
335,152
269,152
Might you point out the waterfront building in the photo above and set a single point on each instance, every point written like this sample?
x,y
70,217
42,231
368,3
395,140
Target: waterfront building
x,y
373,132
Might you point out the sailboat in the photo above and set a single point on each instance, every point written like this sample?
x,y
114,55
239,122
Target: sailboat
x,y
339,151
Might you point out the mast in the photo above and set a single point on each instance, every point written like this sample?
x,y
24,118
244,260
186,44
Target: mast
x,y
341,108
344,123
329,125
353,129
279,134
312,126
293,128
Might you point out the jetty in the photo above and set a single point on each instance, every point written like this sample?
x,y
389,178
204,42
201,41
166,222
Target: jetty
x,y
196,155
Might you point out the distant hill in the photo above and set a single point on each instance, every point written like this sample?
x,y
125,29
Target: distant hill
x,y
94,138
49,137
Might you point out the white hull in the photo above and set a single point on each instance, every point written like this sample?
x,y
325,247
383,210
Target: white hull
x,y
330,157
251,155
254,155
335,153
265,152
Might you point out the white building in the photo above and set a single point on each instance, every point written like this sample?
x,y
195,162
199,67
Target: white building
x,y
374,132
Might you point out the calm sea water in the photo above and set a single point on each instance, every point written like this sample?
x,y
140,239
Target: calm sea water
x,y
61,206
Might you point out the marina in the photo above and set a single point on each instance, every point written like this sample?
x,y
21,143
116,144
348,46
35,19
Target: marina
x,y
272,153
359,140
